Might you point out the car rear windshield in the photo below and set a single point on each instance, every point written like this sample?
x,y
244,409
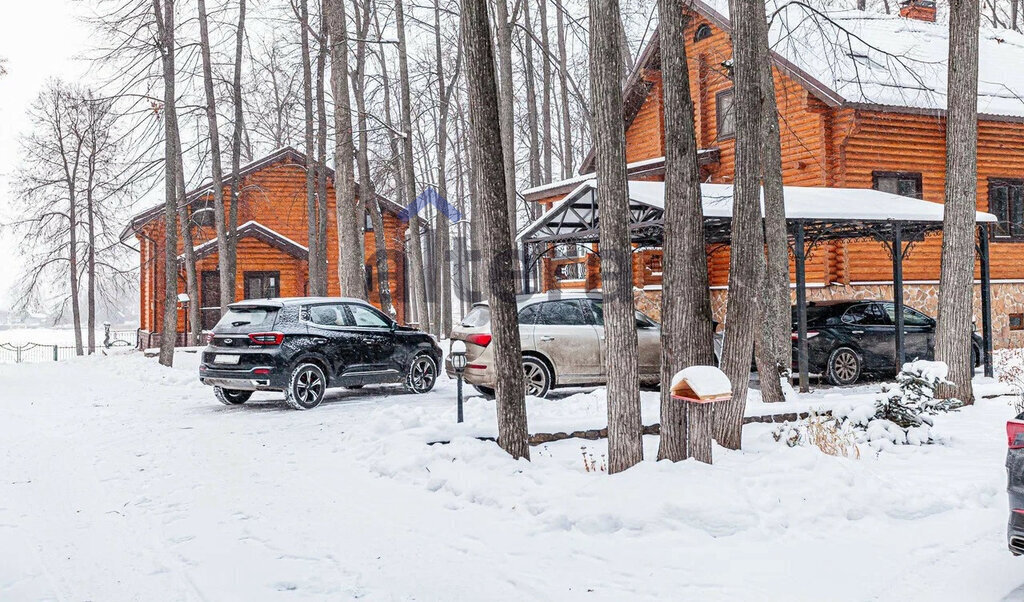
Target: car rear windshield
x,y
815,314
238,317
478,316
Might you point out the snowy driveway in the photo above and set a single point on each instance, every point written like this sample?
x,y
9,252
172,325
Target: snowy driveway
x,y
122,480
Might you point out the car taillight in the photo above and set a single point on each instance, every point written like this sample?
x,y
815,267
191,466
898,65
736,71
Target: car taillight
x,y
479,339
261,371
266,338
1015,434
810,334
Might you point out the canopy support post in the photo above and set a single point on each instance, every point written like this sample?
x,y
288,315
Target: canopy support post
x,y
986,301
524,258
897,293
801,305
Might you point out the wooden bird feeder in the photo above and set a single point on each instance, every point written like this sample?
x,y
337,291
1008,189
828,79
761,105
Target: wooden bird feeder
x,y
701,384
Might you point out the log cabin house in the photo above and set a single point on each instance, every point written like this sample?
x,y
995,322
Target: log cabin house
x,y
861,101
272,244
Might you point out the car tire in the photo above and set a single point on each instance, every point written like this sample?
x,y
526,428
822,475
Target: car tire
x,y
422,374
231,397
306,387
844,366
485,391
537,376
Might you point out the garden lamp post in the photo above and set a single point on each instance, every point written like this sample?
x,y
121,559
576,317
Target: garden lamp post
x,y
457,355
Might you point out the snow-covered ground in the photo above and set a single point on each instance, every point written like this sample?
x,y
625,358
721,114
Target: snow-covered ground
x,y
123,480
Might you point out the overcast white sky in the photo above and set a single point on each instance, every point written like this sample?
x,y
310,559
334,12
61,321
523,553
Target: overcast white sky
x,y
40,39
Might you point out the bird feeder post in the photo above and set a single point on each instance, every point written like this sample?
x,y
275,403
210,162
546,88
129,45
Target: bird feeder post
x,y
700,387
457,355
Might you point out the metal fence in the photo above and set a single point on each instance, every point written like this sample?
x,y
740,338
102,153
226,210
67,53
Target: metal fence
x,y
17,353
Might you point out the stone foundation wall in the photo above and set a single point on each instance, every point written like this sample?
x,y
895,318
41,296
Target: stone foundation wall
x,y
1007,298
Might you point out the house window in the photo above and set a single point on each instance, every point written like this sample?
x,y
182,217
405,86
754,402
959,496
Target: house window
x,y
1006,202
262,285
703,32
898,182
1016,321
368,223
725,115
202,214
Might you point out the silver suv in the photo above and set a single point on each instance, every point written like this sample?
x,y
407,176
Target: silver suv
x,y
562,336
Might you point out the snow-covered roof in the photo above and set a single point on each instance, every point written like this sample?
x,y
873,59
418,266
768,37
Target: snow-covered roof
x,y
256,230
886,60
578,211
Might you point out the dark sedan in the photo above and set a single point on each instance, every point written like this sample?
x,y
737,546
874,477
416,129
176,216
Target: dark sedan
x,y
303,346
847,339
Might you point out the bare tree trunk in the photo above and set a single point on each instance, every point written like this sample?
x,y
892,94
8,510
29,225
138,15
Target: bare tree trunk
x,y
1014,7
545,110
416,266
687,337
366,188
236,158
774,349
563,85
193,326
165,36
746,262
625,430
216,169
531,98
321,151
506,106
485,135
76,311
349,214
956,281
477,259
90,221
442,232
314,263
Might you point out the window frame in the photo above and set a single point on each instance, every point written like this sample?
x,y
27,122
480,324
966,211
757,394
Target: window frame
x,y
1010,317
204,207
901,175
702,33
261,274
719,114
999,234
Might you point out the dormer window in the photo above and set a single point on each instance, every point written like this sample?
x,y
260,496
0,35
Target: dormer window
x,y
703,32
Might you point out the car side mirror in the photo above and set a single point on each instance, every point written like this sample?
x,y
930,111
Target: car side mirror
x,y
394,326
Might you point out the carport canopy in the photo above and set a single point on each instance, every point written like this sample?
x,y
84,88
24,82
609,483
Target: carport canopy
x,y
813,214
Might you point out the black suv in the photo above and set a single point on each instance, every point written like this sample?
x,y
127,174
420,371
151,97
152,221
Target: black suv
x,y
846,339
303,346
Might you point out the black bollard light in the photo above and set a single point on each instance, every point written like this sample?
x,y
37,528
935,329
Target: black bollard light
x,y
458,359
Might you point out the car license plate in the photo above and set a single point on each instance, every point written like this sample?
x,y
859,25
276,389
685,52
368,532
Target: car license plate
x,y
226,359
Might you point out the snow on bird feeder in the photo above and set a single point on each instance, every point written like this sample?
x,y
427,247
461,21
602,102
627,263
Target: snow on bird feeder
x,y
701,384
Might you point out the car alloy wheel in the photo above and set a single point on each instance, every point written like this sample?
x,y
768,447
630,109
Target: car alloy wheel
x,y
538,379
306,387
422,374
844,366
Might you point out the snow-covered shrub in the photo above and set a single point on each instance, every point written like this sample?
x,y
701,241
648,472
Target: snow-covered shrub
x,y
901,415
1010,368
831,435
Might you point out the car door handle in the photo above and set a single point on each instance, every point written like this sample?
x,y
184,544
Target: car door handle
x,y
857,331
547,338
319,340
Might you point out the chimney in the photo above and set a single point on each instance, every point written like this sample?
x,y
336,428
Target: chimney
x,y
922,10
